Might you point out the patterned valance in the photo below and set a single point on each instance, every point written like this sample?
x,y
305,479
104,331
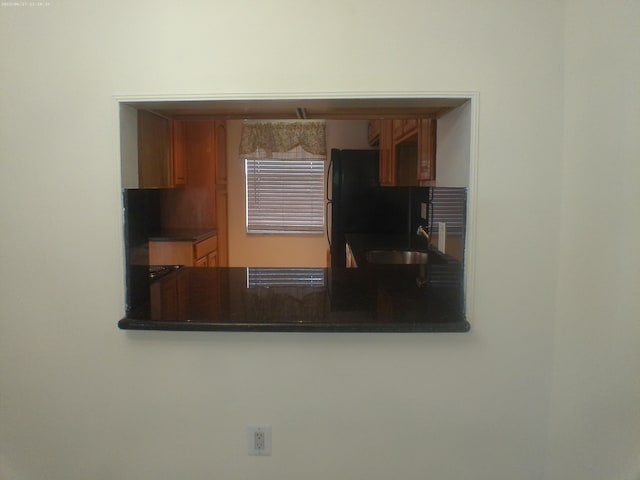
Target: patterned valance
x,y
283,136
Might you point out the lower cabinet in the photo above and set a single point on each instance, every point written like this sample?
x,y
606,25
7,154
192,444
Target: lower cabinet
x,y
188,253
222,259
190,295
169,297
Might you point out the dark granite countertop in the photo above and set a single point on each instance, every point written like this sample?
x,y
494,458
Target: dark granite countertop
x,y
326,300
372,298
182,235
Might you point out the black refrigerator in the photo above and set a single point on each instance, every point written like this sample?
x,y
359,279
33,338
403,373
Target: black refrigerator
x,y
357,204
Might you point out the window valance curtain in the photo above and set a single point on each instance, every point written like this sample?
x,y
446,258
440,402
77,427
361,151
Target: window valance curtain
x,y
263,138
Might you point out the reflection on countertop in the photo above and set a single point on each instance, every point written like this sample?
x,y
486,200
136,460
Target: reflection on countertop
x,y
360,244
301,299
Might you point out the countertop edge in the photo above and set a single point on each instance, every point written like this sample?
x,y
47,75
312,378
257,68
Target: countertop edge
x,y
460,326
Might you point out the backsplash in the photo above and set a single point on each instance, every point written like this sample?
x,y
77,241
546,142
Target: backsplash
x,y
141,219
449,207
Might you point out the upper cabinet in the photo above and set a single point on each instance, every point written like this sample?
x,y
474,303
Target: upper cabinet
x,y
407,150
374,132
204,200
161,161
387,172
427,134
404,128
221,152
190,153
221,193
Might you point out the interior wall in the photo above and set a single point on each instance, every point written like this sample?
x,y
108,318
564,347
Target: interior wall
x,y
595,421
81,399
129,146
256,250
452,144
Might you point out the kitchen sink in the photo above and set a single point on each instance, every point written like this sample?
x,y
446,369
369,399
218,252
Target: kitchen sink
x,y
396,257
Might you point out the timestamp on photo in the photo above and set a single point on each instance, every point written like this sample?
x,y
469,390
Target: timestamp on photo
x,y
25,4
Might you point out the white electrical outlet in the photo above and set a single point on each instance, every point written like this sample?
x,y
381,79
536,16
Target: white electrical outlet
x,y
259,439
442,236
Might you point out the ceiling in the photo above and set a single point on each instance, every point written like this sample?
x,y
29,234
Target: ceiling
x,y
328,109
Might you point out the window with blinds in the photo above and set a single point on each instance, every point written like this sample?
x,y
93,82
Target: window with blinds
x,y
285,196
448,205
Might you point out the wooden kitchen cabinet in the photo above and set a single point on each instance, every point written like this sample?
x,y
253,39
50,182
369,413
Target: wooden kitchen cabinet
x,y
222,226
201,262
404,128
387,171
202,202
221,197
212,259
169,297
427,135
221,152
178,161
183,252
206,252
161,162
373,132
408,152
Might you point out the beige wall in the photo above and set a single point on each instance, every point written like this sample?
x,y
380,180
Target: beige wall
x,y
453,147
278,250
545,386
595,422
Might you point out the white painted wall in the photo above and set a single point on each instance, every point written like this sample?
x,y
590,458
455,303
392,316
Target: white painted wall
x,y
81,399
453,155
595,422
129,146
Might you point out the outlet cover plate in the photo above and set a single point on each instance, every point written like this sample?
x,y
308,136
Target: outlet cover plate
x,y
259,440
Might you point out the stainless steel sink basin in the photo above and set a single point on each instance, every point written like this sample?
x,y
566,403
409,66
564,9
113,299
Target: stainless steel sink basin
x,y
396,257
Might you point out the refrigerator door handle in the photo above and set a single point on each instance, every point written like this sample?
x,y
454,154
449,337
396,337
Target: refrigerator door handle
x,y
329,200
326,221
329,170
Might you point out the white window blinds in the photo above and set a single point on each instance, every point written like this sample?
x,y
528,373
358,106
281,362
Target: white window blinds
x,y
284,168
285,196
449,206
285,277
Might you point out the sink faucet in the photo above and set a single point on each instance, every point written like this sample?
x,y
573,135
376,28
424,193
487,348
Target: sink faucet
x,y
422,231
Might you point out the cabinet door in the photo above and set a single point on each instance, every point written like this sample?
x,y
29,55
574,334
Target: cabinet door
x,y
387,172
212,259
201,262
427,151
409,126
373,132
164,298
169,297
154,150
177,153
404,128
398,129
221,152
222,227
